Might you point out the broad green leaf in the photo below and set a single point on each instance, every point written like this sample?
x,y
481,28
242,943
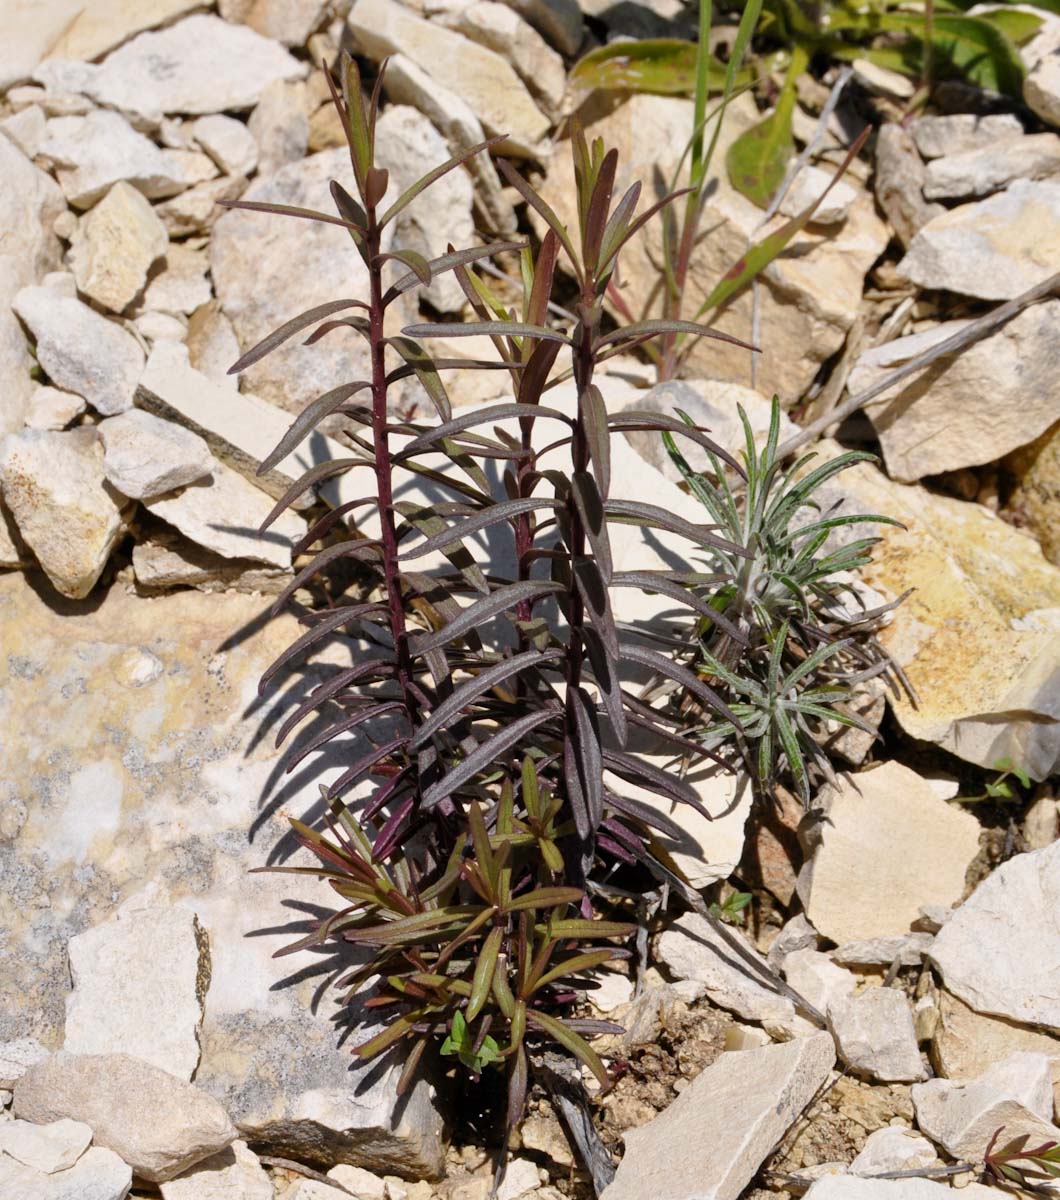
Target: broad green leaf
x,y
665,66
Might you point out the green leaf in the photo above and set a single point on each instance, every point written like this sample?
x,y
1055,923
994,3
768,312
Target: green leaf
x,y
664,66
570,1041
484,968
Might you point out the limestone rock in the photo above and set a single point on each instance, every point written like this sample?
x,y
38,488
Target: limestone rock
x,y
98,1174
196,210
250,259
114,247
693,949
96,151
899,182
228,142
483,78
952,413
409,145
182,286
30,203
748,1099
887,829
993,249
967,1043
201,64
908,949
957,133
82,351
808,297
712,404
980,172
407,83
16,1057
98,28
161,327
502,29
164,561
212,345
279,125
1000,951
893,1148
112,1093
985,679
359,1181
55,488
239,427
817,979
187,739
1015,1094
49,408
45,1148
223,512
233,1174
288,21
875,1036
122,1002
810,184
26,129
27,32
1041,89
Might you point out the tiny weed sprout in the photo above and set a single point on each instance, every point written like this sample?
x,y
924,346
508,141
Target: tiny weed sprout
x,y
1032,1168
794,641
471,824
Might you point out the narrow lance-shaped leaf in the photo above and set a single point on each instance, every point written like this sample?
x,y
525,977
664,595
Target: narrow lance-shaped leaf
x,y
289,329
504,599
504,511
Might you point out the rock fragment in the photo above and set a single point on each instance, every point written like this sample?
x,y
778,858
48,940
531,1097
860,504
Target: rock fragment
x,y
905,846
279,125
235,1173
899,183
16,1057
181,287
979,172
50,408
196,210
1015,1095
287,21
112,1093
115,245
993,249
163,561
844,1187
121,1001
45,1148
55,488
748,1099
893,1148
875,1035
98,1174
82,351
958,133
1041,89
228,142
1000,951
809,185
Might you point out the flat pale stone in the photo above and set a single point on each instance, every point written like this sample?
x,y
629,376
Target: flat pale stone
x,y
115,245
747,1099
113,1093
960,132
50,408
817,979
250,259
409,145
279,125
16,1057
122,1003
201,64
27,30
967,1043
993,249
161,327
1015,1094
985,677
145,456
196,210
63,507
906,848
26,129
909,949
809,185
483,78
30,205
692,949
1041,89
1000,951
359,1181
228,142
181,286
893,1148
96,151
239,427
222,513
101,26
45,1148
979,172
98,1174
288,21
234,1174
164,562
875,1036
846,1187
212,345
82,351
952,413
190,745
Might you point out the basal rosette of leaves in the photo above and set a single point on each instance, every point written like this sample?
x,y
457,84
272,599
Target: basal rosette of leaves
x,y
465,830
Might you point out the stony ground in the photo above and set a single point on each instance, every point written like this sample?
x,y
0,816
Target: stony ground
x,y
889,999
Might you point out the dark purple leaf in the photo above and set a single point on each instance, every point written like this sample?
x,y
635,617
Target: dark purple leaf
x,y
289,329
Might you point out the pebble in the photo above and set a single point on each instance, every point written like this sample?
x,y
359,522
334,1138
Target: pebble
x,y
98,1174
893,1148
960,132
979,172
228,142
45,1148
114,247
875,1035
235,1173
50,408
